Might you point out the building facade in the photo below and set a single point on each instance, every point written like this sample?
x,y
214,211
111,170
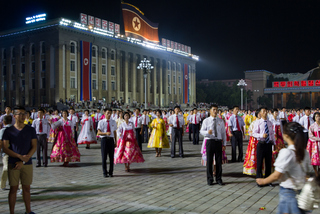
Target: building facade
x,y
41,64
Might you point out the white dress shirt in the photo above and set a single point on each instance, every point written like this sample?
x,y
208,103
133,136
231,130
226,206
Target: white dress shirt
x,y
192,120
103,127
296,118
74,120
114,117
173,120
304,122
233,122
97,117
259,130
133,120
145,119
45,126
208,124
283,115
34,115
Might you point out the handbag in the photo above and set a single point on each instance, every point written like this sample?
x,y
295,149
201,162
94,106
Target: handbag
x,y
309,197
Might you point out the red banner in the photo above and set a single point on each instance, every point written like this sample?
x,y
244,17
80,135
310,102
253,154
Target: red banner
x,y
83,18
85,58
185,83
137,25
90,20
302,83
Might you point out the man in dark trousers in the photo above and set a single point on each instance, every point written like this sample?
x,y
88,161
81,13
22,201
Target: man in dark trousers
x,y
144,126
214,132
107,131
236,131
263,131
136,120
176,122
195,120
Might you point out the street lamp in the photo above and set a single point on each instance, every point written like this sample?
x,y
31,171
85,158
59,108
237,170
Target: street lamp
x,y
242,84
146,66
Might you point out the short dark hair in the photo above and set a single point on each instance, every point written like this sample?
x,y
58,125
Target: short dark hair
x,y
314,116
41,109
265,108
307,108
87,110
9,107
235,107
175,107
213,105
145,110
257,113
137,109
108,109
194,109
273,110
28,112
7,119
18,108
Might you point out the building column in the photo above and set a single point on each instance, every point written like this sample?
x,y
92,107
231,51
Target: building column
x,y
310,99
272,100
154,81
134,77
160,84
118,73
126,77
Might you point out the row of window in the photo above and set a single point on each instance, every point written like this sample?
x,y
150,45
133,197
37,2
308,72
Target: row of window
x,y
23,51
94,84
23,68
94,51
23,84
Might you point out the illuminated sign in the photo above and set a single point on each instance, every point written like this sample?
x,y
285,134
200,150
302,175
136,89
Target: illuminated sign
x,y
302,83
36,18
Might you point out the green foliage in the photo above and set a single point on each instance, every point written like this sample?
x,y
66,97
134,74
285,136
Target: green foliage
x,y
221,94
291,102
265,100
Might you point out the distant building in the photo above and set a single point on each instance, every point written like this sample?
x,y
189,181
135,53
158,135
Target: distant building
x,y
228,82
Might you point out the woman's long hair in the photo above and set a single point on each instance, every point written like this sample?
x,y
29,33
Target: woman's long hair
x,y
295,132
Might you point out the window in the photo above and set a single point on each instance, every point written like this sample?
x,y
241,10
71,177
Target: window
x,y
174,66
4,54
43,48
174,90
33,84
179,67
94,51
169,90
13,69
23,51
72,66
112,55
33,50
13,85
179,90
94,68
174,78
113,72
43,82
179,79
169,65
43,66
73,82
23,83
104,87
72,48
33,66
103,69
113,86
4,70
23,68
94,84
13,52
103,53
169,80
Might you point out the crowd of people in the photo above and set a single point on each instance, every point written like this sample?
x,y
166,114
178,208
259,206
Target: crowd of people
x,y
122,134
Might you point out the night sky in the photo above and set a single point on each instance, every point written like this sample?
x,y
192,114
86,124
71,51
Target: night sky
x,y
230,37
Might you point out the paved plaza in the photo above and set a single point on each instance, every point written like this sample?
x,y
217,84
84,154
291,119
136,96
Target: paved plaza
x,y
160,185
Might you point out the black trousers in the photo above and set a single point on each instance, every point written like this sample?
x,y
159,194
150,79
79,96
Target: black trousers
x,y
107,148
195,130
75,135
145,134
306,138
236,140
139,137
190,131
264,151
214,148
42,147
176,133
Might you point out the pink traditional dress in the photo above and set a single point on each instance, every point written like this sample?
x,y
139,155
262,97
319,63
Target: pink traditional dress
x,y
65,148
250,161
53,132
87,134
165,118
314,144
226,125
127,150
204,155
279,144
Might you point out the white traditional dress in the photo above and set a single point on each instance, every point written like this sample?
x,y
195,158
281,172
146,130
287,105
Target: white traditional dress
x,y
87,134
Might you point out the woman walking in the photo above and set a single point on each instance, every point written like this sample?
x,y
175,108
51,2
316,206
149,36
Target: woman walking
x,y
87,134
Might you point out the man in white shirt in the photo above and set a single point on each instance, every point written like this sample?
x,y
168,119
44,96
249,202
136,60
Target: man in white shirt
x,y
190,124
306,121
297,117
8,111
176,121
74,123
97,117
195,120
114,115
42,127
107,131
136,120
145,120
34,114
283,114
213,130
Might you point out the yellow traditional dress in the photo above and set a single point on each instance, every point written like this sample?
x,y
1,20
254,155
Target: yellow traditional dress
x,y
158,138
28,121
248,120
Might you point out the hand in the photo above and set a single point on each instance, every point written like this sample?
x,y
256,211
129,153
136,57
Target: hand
x,y
265,135
25,158
210,132
223,148
260,181
171,125
108,133
77,128
170,137
230,134
141,132
182,133
18,165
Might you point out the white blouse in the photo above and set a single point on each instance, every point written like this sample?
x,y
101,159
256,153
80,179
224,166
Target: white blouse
x,y
123,127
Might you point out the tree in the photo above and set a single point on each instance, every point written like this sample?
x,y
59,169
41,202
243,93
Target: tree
x,y
290,103
264,101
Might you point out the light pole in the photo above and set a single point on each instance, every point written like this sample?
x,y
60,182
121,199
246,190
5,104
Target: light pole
x,y
242,84
146,66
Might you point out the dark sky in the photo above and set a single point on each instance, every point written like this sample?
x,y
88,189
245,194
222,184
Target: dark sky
x,y
230,36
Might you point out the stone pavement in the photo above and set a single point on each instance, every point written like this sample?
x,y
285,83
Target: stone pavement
x,y
160,185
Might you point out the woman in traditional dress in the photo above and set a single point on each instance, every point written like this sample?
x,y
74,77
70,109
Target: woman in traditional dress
x,y
127,150
250,161
277,128
65,149
87,134
120,119
28,121
314,143
165,119
248,120
158,138
229,114
53,132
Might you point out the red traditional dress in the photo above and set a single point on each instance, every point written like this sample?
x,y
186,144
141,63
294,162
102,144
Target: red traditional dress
x,y
314,144
87,134
250,161
65,149
53,132
279,144
127,150
227,127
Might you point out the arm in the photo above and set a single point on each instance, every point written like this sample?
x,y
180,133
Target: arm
x,y
256,131
273,177
311,134
224,137
11,153
203,130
